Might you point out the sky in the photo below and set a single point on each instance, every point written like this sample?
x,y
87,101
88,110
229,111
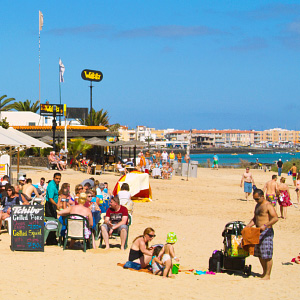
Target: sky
x,y
186,64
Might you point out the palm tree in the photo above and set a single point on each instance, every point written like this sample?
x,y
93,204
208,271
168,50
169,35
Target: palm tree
x,y
26,106
4,104
99,118
78,146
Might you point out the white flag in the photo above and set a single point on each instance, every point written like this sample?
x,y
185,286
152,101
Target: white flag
x,y
61,71
41,20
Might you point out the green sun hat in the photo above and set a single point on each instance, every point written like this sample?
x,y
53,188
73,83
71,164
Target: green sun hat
x,y
171,238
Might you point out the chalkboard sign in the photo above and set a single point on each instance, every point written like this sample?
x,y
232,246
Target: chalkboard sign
x,y
27,228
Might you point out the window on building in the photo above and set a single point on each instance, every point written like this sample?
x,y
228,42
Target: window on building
x,y
31,124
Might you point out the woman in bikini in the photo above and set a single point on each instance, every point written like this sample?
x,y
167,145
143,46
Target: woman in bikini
x,y
140,251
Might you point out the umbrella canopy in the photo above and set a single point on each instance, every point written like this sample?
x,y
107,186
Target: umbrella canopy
x,y
46,139
98,142
26,139
130,143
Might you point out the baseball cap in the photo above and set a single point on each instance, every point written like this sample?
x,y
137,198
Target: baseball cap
x,y
22,178
101,185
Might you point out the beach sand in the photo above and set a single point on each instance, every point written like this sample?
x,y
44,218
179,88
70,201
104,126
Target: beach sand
x,y
197,211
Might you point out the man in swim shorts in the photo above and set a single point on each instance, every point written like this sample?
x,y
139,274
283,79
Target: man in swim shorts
x,y
264,218
294,173
216,161
248,181
271,190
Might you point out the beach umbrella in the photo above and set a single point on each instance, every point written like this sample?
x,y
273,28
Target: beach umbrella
x,y
90,181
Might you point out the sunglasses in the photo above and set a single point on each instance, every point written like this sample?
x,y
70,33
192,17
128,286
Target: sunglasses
x,y
89,196
256,199
9,190
151,235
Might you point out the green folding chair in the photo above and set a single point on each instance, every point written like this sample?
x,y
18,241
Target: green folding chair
x,y
57,230
115,234
75,230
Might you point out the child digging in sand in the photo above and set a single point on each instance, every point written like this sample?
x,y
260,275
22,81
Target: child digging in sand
x,y
168,253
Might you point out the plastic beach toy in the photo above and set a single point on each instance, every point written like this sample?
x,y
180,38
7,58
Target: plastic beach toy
x,y
175,268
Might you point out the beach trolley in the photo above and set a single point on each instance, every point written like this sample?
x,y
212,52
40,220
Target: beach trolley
x,y
234,255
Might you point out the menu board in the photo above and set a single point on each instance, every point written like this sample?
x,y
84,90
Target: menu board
x,y
27,227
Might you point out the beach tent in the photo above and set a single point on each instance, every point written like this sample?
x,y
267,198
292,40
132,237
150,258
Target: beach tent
x,y
139,186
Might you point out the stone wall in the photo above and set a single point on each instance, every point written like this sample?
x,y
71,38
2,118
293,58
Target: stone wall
x,y
31,161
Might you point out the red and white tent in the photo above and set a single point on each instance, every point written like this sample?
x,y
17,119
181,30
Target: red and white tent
x,y
138,184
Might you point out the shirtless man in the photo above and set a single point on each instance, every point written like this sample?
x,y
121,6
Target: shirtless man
x,y
28,189
294,173
264,218
248,181
271,190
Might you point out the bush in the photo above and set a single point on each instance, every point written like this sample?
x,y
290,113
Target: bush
x,y
244,163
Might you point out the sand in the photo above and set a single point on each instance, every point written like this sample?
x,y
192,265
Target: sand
x,y
197,210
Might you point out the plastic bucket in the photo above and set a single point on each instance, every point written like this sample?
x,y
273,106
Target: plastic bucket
x,y
175,268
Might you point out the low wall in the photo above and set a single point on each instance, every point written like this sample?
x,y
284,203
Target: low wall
x,y
31,161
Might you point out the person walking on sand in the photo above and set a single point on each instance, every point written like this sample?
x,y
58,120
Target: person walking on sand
x,y
216,161
248,180
294,173
271,190
284,199
264,218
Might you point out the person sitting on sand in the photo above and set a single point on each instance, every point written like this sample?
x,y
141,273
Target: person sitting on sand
x,y
140,252
116,219
284,197
168,254
82,211
156,264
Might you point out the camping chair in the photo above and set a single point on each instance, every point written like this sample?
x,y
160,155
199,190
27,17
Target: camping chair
x,y
75,230
56,229
116,234
98,169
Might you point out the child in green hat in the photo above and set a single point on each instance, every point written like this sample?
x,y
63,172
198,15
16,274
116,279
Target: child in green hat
x,y
168,253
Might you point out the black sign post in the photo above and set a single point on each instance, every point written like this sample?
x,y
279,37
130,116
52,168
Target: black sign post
x,y
54,125
27,228
91,75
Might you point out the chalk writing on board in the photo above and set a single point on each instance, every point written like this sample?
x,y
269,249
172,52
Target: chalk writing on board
x,y
27,228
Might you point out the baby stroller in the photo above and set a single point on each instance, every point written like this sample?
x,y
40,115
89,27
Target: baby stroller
x,y
234,255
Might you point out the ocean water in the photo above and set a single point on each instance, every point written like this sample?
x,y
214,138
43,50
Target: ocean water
x,y
229,159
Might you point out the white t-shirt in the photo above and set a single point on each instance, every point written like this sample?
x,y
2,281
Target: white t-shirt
x,y
125,200
164,156
124,196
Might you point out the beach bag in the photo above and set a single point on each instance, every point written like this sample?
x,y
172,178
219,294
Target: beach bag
x,y
217,257
132,265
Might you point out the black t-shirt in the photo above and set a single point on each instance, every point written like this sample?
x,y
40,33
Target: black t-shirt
x,y
279,164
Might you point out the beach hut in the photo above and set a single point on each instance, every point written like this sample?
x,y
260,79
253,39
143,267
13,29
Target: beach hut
x,y
139,185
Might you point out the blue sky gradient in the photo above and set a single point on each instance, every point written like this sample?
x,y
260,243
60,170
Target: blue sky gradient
x,y
165,64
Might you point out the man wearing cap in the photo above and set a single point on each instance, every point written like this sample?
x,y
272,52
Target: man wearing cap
x,y
22,180
279,165
116,219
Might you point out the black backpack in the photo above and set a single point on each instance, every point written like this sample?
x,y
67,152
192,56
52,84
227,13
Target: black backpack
x,y
216,257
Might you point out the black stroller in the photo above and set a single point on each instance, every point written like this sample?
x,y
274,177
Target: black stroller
x,y
234,255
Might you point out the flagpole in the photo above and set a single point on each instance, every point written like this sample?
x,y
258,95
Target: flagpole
x,y
39,66
59,90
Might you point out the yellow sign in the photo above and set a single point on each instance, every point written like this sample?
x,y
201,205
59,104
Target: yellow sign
x,y
3,169
47,109
91,75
